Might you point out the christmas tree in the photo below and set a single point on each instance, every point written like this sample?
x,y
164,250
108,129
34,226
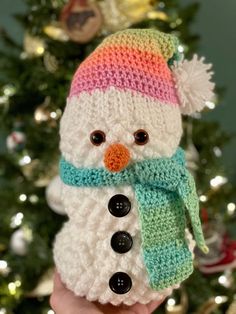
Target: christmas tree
x,y
34,84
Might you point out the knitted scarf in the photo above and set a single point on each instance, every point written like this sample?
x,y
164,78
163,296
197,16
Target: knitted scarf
x,y
165,193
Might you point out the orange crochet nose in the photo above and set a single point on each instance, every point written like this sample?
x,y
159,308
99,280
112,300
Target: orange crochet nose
x,y
116,157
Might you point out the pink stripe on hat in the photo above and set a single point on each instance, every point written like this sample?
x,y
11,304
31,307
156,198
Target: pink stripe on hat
x,y
102,78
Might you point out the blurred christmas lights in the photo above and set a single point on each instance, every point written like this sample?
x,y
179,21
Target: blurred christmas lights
x,y
16,220
210,105
4,269
25,160
3,264
226,280
34,46
22,197
217,151
218,181
180,48
222,280
12,288
9,90
3,100
221,299
171,302
33,199
231,208
203,198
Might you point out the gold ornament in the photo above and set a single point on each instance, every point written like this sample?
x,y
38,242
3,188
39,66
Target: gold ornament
x,y
157,15
46,113
119,15
181,308
30,170
56,32
135,10
232,308
33,46
42,113
211,305
113,19
40,177
50,62
44,286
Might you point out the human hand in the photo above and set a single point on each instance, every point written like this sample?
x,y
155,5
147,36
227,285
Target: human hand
x,y
63,301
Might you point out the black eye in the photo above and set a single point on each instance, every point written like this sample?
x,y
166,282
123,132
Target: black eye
x,y
141,137
97,137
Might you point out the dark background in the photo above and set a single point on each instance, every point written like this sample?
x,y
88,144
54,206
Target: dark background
x,y
215,24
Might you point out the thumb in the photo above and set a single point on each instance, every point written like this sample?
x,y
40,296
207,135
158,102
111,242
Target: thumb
x,y
63,301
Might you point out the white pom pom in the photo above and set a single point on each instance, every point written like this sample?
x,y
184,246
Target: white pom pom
x,y
193,84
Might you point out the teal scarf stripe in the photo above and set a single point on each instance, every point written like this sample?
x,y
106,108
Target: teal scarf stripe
x,y
93,177
146,170
167,175
165,192
180,266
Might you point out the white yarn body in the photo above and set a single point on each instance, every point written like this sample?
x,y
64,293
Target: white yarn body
x,y
84,256
118,114
83,253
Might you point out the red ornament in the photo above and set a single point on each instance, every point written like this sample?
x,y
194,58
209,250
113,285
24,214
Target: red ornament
x,y
204,216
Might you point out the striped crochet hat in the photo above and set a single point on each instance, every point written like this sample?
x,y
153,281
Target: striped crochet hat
x,y
135,78
146,61
134,60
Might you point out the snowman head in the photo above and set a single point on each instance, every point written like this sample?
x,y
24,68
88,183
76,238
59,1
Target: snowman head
x,y
126,100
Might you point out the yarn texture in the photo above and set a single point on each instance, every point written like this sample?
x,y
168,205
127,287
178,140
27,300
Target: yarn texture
x,y
134,60
193,84
162,183
123,173
82,251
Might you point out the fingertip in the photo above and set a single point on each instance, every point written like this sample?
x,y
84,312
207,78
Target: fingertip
x,y
155,304
57,281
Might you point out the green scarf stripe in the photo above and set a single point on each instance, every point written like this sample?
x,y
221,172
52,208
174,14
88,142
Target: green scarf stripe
x,y
164,190
187,191
159,232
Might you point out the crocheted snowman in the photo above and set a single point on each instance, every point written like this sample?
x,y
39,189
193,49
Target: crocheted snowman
x,y
125,188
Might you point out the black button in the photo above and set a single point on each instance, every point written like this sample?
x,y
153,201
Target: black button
x,y
120,283
121,242
119,205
